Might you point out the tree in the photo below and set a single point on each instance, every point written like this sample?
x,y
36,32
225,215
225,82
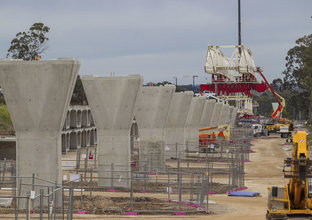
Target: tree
x,y
30,44
298,72
78,97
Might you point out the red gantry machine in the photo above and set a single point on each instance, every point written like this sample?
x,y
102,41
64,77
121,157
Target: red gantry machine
x,y
232,78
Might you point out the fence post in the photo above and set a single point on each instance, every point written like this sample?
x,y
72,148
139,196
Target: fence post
x,y
131,192
32,188
168,184
81,196
112,175
91,184
41,204
27,205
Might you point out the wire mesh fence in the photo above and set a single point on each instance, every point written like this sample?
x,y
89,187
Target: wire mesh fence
x,y
182,186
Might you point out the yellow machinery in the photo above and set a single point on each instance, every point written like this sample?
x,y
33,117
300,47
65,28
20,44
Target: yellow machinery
x,y
295,198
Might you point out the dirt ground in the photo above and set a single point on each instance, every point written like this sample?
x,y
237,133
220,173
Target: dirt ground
x,y
263,170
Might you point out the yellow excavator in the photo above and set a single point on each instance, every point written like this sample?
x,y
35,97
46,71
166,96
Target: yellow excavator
x,y
295,198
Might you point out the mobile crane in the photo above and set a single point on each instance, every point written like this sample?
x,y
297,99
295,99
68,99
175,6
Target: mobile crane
x,y
295,198
278,123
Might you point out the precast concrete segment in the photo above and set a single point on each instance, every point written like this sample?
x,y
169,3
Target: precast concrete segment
x,y
37,94
229,115
223,114
192,123
174,128
207,113
151,115
233,117
216,114
112,101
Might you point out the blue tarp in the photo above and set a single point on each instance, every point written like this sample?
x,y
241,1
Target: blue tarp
x,y
244,193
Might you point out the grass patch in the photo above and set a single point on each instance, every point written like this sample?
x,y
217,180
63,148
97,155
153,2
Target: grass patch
x,y
5,119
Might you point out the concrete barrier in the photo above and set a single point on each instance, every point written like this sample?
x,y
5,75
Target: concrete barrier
x,y
112,101
151,115
174,128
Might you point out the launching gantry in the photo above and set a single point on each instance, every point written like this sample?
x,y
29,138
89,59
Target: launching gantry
x,y
232,78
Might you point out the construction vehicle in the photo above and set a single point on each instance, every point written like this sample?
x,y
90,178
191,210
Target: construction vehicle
x,y
277,120
208,137
259,130
295,198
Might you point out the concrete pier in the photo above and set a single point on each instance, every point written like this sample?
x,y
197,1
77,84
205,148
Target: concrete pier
x,y
207,113
216,114
112,101
223,114
37,94
151,115
174,128
233,117
193,123
229,115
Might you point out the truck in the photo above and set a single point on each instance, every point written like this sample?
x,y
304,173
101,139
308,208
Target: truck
x,y
259,130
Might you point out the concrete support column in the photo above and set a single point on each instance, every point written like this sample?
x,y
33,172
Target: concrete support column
x,y
67,121
151,115
79,137
112,101
174,128
37,94
229,115
216,114
223,114
88,118
207,114
193,123
73,118
84,118
79,119
233,117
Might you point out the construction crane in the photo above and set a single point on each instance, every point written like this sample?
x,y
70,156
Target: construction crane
x,y
277,120
295,198
281,104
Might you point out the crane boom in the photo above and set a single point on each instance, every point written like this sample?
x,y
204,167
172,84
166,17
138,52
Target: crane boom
x,y
276,114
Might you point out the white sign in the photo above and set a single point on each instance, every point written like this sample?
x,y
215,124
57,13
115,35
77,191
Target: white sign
x,y
74,177
32,194
65,177
69,165
83,156
167,148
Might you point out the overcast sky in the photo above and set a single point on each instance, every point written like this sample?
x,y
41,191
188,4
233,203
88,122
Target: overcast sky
x,y
159,39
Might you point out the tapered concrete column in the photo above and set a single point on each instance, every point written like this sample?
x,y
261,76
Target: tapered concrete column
x,y
151,115
216,114
37,94
233,117
193,123
174,128
207,114
112,101
229,115
223,114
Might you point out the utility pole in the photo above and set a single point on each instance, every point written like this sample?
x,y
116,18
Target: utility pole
x,y
194,76
176,80
239,26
